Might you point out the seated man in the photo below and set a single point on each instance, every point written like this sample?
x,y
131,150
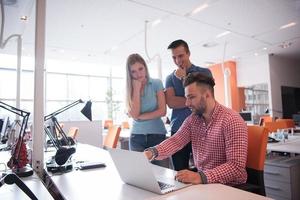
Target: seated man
x,y
217,133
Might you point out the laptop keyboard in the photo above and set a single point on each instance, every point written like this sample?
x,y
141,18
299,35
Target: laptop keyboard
x,y
164,186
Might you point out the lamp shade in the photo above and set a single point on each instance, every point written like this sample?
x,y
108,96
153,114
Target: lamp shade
x,y
87,110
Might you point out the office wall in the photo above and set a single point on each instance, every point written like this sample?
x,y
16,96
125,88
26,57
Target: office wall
x,y
89,132
219,80
252,70
284,71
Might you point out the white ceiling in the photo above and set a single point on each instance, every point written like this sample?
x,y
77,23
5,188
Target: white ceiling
x,y
107,31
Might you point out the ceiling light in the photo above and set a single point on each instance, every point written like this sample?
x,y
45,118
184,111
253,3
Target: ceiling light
x,y
209,63
223,34
113,48
265,48
233,57
256,54
196,10
24,18
210,44
285,45
156,22
288,25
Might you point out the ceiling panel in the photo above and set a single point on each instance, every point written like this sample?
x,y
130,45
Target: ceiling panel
x,y
105,32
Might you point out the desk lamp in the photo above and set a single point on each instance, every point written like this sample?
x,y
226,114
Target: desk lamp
x,y
64,145
18,161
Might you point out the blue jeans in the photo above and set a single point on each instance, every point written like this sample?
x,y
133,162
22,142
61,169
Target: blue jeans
x,y
181,158
140,142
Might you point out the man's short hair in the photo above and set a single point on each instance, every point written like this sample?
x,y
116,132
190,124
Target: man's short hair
x,y
200,79
178,43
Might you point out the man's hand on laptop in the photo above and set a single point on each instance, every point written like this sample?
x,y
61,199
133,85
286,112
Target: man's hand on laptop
x,y
187,176
148,154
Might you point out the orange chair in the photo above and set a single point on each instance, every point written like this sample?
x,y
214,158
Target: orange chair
x,y
125,125
108,123
274,126
265,118
112,137
289,123
257,147
73,132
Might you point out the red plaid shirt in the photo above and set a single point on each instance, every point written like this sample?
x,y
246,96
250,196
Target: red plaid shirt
x,y
219,148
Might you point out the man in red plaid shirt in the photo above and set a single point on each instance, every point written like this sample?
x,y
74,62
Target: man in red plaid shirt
x,y
218,135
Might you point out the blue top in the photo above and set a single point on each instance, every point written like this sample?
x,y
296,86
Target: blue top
x,y
179,115
149,103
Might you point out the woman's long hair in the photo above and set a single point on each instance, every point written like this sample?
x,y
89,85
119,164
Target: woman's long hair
x,y
131,60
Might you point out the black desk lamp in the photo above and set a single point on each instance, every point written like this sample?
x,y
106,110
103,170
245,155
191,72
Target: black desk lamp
x,y
64,145
18,160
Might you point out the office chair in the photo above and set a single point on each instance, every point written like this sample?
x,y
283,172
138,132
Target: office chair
x,y
125,125
289,123
108,123
112,137
265,118
73,132
257,147
274,126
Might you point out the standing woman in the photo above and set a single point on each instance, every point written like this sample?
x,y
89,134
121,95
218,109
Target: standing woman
x,y
146,104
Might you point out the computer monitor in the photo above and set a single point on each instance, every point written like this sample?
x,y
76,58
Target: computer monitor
x,y
4,122
247,116
296,118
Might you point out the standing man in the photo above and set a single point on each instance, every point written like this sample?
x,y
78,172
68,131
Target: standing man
x,y
218,135
175,97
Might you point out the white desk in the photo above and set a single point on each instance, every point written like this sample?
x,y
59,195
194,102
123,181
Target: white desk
x,y
292,145
14,192
105,183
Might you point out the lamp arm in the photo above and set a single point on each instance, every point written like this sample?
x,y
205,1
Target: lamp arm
x,y
53,140
47,117
14,110
61,132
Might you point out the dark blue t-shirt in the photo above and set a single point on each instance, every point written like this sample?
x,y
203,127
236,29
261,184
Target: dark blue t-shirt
x,y
179,115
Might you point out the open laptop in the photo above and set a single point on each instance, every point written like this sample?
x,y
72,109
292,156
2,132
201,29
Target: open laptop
x,y
136,170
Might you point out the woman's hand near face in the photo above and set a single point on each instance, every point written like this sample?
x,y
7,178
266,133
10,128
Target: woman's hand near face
x,y
137,85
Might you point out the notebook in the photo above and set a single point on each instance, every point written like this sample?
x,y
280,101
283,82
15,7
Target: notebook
x,y
134,169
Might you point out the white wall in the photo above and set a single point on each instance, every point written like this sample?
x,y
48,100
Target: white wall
x,y
252,70
283,72
89,132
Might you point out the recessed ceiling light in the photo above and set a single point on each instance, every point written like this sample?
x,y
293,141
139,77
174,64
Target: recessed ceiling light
x,y
285,45
197,10
256,54
265,48
156,22
210,44
209,63
288,25
233,57
223,34
24,18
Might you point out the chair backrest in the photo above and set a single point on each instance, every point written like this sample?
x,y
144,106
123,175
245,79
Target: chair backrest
x,y
107,123
125,125
112,137
274,126
289,123
264,119
73,132
257,147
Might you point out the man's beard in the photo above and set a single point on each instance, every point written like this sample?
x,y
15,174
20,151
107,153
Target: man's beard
x,y
201,109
